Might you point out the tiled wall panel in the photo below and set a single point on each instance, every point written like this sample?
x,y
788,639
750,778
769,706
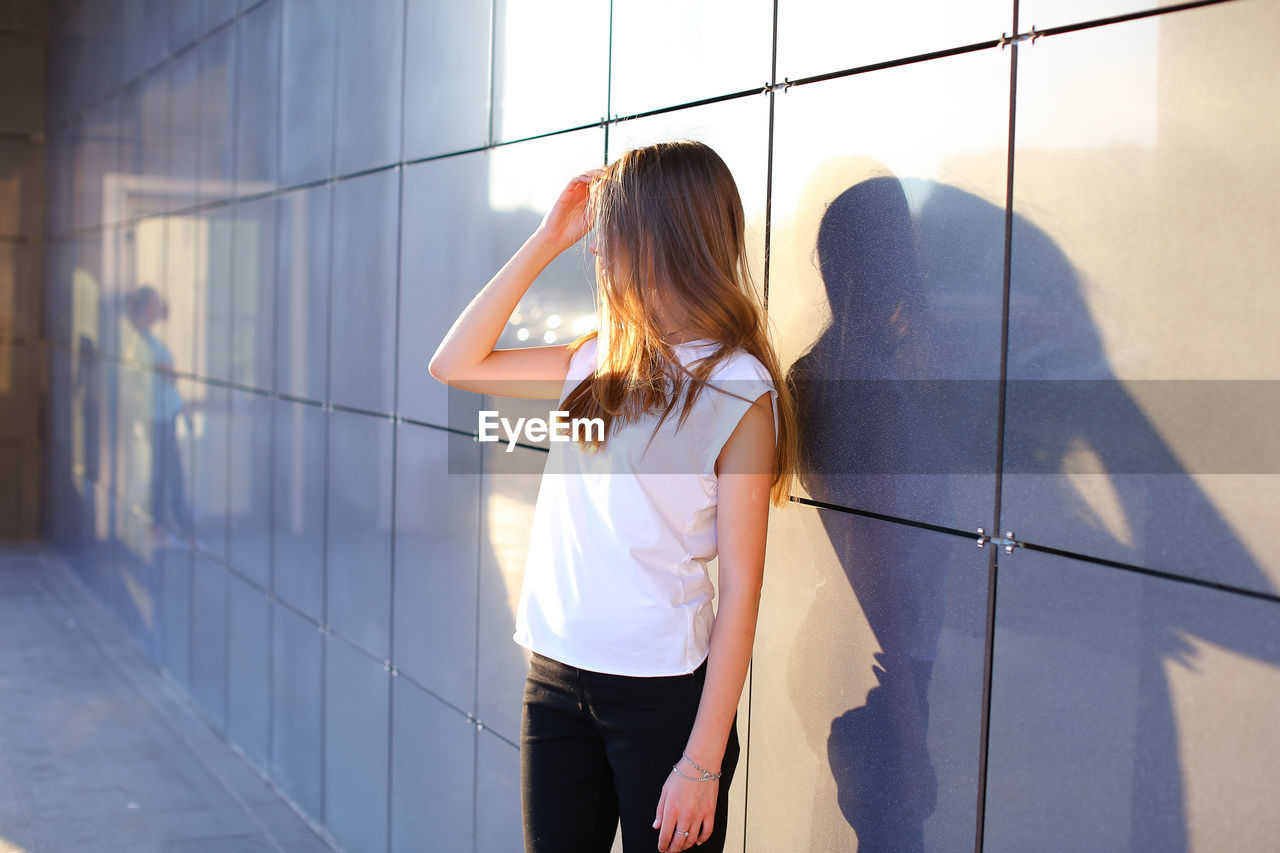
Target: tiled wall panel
x,y
446,77
298,494
357,693
322,560
249,490
249,670
866,698
297,709
358,541
362,355
889,226
1126,712
257,99
308,78
1117,344
369,76
435,564
433,758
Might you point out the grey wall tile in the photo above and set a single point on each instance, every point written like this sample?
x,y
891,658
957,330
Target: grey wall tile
x,y
357,696
302,300
216,116
1119,711
508,494
433,757
253,294
446,78
498,812
209,640
308,70
432,293
249,671
249,498
358,543
886,282
366,212
153,131
183,170
297,709
370,72
437,524
257,99
209,478
215,256
1116,347
298,520
866,685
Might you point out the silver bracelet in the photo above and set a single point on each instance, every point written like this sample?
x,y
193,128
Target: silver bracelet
x,y
705,774
707,778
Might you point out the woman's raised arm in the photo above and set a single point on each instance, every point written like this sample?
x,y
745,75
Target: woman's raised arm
x,y
466,358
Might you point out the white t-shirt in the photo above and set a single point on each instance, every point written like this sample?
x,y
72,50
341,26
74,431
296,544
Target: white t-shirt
x,y
616,575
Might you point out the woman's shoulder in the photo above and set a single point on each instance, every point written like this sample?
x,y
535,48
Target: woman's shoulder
x,y
738,364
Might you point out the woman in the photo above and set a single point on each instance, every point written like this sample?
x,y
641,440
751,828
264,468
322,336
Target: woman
x,y
630,704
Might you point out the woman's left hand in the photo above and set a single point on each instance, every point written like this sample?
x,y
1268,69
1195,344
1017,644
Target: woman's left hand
x,y
687,806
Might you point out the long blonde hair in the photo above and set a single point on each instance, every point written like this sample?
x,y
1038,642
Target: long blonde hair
x,y
669,228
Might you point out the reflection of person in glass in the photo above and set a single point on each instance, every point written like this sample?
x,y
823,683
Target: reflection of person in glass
x,y
145,308
863,426
631,698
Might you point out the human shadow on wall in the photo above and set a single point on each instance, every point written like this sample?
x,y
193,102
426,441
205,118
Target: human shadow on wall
x,y
864,442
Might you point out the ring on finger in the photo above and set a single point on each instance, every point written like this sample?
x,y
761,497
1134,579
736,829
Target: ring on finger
x,y
682,832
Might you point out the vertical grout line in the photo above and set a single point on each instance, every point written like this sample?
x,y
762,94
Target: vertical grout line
x,y
274,381
608,86
993,564
493,67
395,424
475,684
233,31
768,187
328,427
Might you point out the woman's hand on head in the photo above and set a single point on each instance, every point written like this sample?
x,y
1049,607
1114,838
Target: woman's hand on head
x,y
566,221
685,805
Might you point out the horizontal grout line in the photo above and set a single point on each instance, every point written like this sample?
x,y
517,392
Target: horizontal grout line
x,y
893,519
892,63
1131,16
1272,597
1046,549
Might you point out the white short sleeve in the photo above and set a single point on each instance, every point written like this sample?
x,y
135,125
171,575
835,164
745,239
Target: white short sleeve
x,y
745,377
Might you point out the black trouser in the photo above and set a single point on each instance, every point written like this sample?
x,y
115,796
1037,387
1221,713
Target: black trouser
x,y
596,748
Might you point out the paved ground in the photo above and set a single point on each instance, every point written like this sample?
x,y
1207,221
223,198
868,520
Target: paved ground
x,y
98,752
